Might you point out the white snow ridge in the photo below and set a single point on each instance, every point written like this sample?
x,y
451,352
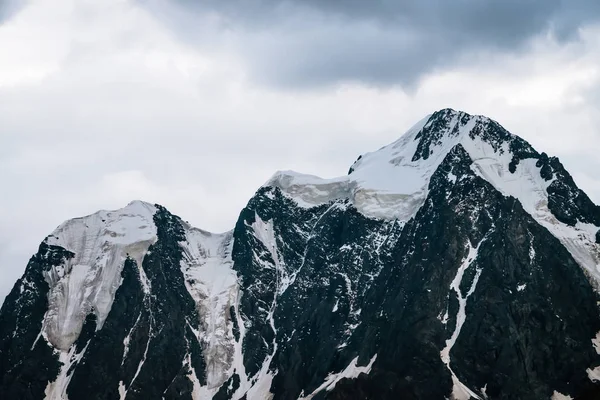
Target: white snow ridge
x,y
384,184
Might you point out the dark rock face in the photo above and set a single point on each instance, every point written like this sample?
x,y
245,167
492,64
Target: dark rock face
x,y
228,389
27,362
470,292
388,285
104,363
521,285
156,327
322,248
567,202
172,312
433,131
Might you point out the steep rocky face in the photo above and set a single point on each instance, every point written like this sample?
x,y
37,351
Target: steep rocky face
x,y
501,332
150,330
457,262
147,345
27,363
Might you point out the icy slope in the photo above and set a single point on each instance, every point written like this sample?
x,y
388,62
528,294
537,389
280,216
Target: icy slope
x,y
384,184
88,281
212,283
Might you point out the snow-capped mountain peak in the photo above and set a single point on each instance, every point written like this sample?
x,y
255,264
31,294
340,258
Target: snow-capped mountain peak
x,y
87,281
392,182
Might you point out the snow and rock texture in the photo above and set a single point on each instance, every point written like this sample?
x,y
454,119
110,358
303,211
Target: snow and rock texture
x,y
457,263
212,283
87,282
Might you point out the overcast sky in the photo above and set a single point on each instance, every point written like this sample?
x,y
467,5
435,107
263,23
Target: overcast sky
x,y
195,104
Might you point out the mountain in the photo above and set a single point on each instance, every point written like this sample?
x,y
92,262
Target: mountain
x,y
455,263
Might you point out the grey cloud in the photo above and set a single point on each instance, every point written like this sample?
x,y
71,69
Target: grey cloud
x,y
309,43
8,8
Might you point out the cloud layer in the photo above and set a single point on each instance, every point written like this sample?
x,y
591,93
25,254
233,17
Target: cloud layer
x,y
311,43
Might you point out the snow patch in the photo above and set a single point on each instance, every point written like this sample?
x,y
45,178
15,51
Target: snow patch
x,y
451,177
261,389
352,371
444,318
122,391
484,391
596,343
335,306
559,396
593,374
199,392
309,190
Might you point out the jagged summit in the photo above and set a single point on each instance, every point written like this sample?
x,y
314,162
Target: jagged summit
x,y
393,182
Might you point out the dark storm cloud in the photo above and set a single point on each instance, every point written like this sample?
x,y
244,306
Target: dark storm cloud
x,y
318,42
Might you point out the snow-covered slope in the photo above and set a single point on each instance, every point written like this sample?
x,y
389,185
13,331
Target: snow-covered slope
x,y
388,183
88,281
212,283
383,184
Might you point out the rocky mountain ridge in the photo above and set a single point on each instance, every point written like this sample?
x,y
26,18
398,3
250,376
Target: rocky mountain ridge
x,y
457,262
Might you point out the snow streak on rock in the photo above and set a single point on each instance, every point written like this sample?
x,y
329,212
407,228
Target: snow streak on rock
x,y
352,371
460,391
264,231
57,390
559,396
